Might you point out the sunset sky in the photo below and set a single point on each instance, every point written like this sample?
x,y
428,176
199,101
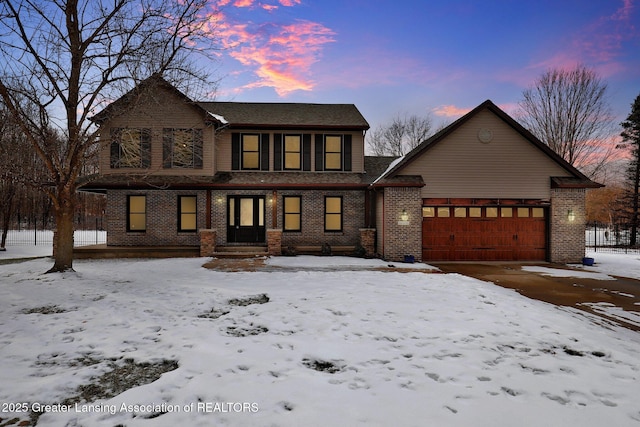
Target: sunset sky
x,y
418,56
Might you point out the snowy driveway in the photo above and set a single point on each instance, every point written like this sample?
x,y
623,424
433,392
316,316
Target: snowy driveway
x,y
614,298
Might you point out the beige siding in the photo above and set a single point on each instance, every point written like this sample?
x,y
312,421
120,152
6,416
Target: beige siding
x,y
162,109
223,150
507,167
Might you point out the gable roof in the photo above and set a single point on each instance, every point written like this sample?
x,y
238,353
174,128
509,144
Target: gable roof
x,y
578,179
287,115
249,114
155,81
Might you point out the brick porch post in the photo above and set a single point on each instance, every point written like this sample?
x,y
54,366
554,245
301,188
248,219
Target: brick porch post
x,y
367,241
207,242
274,241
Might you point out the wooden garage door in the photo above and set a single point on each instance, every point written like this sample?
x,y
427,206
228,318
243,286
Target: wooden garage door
x,y
483,233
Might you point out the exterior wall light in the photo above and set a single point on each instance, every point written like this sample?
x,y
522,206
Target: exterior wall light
x,y
571,216
404,216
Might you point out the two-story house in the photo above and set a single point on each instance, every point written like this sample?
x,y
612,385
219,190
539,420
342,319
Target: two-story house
x,y
171,167
213,175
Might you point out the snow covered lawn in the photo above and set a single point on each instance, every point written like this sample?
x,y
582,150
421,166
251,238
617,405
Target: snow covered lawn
x,y
297,347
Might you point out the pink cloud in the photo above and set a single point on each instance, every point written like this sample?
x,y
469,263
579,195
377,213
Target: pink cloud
x,y
279,56
450,111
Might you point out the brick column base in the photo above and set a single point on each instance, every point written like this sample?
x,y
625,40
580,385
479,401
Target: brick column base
x,y
207,242
368,241
274,242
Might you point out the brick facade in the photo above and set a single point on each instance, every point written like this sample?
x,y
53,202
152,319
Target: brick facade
x,y
567,222
402,237
161,218
312,219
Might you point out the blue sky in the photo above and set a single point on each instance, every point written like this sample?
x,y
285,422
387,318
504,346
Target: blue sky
x,y
421,57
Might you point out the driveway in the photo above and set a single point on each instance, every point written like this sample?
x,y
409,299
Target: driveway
x,y
603,298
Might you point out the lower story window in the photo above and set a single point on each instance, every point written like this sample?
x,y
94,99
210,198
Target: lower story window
x,y
187,213
292,213
332,213
136,213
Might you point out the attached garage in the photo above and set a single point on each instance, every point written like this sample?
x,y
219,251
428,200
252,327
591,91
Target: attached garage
x,y
484,233
482,189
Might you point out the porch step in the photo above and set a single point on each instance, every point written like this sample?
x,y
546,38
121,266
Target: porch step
x,y
240,251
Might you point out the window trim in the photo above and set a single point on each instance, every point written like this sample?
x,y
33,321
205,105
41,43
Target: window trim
x,y
341,214
181,229
285,213
129,213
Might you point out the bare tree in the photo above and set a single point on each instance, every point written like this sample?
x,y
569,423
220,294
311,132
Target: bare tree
x,y
569,111
63,59
400,136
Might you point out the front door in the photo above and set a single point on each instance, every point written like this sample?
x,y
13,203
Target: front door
x,y
245,219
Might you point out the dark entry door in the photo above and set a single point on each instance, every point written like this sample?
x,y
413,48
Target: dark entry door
x,y
245,219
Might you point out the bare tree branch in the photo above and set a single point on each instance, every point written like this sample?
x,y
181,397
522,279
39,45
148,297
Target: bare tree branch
x,y
400,136
569,111
65,58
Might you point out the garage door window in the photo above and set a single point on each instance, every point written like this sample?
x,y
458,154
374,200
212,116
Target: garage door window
x,y
428,212
537,212
523,212
475,212
460,212
506,212
492,212
443,212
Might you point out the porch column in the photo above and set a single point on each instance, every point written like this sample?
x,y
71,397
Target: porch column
x,y
274,241
207,242
367,241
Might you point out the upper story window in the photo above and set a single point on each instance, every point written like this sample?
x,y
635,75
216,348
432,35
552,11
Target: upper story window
x,y
249,151
130,148
182,148
333,152
292,152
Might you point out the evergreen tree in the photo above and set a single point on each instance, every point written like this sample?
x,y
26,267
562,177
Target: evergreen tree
x,y
631,140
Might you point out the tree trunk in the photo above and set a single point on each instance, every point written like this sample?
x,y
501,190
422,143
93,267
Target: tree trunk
x,y
63,236
9,203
